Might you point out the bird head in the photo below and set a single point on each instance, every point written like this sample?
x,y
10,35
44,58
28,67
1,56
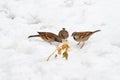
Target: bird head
x,y
74,33
63,28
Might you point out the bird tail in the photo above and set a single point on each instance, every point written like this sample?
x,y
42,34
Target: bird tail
x,y
96,31
33,36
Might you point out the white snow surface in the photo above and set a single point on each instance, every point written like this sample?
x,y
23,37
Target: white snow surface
x,y
25,59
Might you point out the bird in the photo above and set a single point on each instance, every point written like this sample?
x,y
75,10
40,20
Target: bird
x,y
63,34
47,36
83,36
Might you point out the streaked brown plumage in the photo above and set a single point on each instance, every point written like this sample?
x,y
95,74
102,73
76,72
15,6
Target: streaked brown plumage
x,y
63,34
47,36
83,36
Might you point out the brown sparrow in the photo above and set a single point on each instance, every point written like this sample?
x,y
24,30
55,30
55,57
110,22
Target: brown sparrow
x,y
83,36
47,36
63,34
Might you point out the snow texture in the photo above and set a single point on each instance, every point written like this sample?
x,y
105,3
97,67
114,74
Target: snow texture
x,y
25,59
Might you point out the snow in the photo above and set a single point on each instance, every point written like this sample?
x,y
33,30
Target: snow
x,y
25,59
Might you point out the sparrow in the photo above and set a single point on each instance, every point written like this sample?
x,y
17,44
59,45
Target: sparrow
x,y
47,36
83,36
63,34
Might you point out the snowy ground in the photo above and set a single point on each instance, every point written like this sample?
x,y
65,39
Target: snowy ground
x,y
25,59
